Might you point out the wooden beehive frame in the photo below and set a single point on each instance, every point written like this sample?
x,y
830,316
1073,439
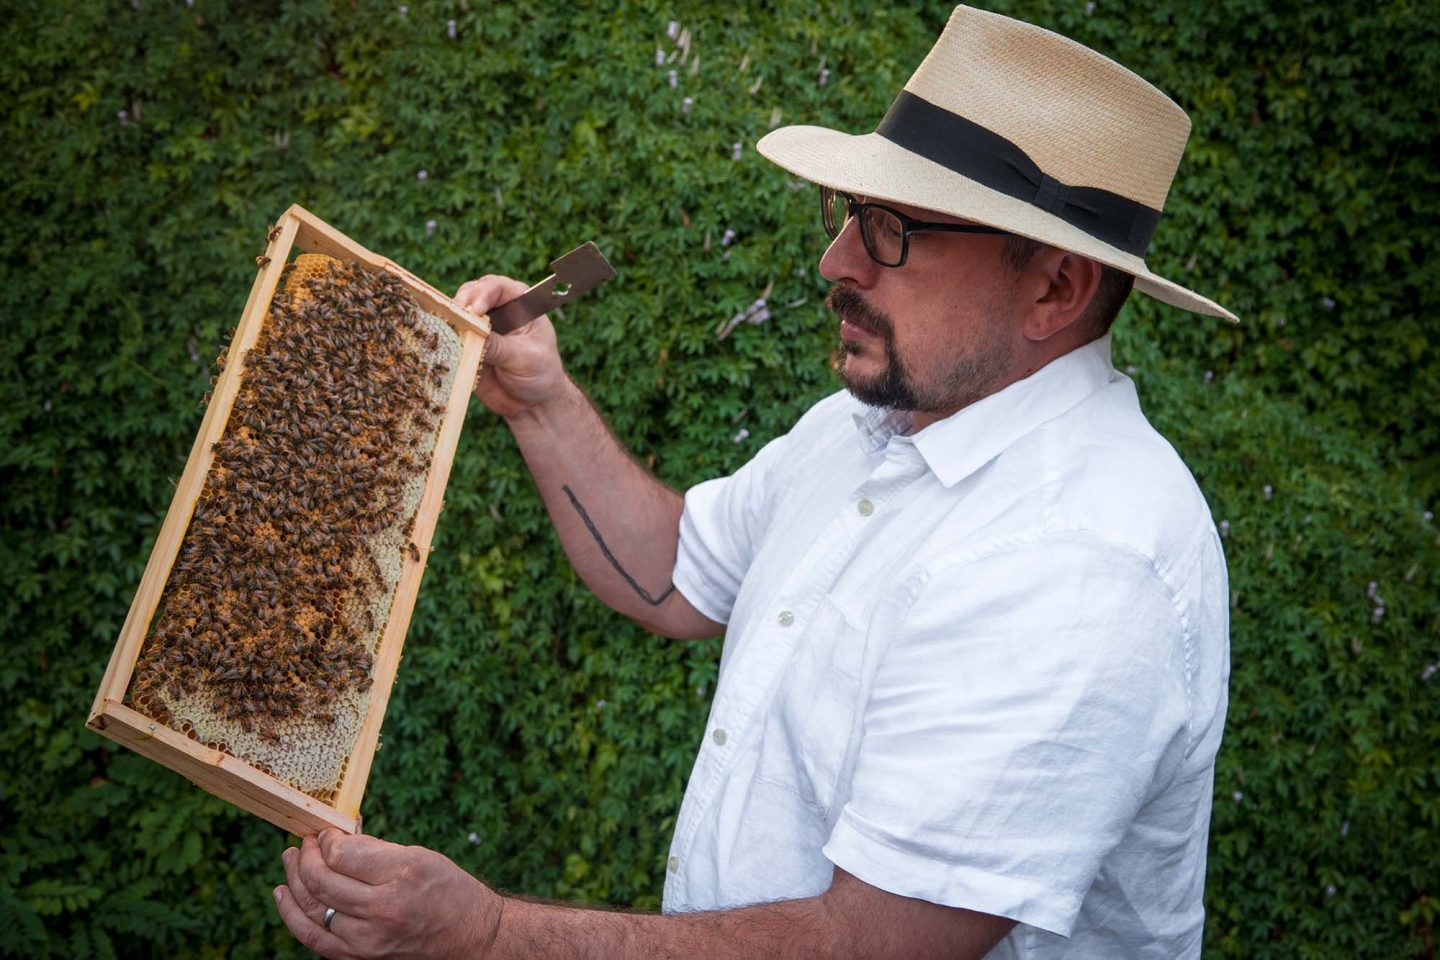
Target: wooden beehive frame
x,y
221,774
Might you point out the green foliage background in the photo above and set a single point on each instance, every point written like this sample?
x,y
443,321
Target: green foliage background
x,y
534,737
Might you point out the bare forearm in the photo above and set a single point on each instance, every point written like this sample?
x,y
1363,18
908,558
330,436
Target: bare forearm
x,y
776,931
619,525
850,920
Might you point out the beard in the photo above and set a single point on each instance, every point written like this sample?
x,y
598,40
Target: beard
x,y
897,387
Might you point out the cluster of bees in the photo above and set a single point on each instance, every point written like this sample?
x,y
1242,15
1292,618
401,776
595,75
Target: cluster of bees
x,y
269,615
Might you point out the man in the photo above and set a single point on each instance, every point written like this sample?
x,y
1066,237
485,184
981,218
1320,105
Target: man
x,y
976,653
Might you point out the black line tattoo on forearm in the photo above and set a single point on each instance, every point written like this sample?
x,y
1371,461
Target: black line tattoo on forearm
x,y
645,595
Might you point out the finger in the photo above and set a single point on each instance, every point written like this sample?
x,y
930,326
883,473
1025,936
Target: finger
x,y
345,894
301,893
465,296
479,296
495,351
368,859
309,932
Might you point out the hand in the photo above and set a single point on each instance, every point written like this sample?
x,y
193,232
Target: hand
x,y
389,900
521,370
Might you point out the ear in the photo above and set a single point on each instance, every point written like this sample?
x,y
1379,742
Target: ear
x,y
1057,286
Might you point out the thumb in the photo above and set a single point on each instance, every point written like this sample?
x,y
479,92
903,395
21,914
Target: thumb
x,y
496,350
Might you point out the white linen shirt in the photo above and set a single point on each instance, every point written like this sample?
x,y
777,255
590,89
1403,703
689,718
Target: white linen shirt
x,y
983,665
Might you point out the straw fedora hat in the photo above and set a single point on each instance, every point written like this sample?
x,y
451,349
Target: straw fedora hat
x,y
1013,126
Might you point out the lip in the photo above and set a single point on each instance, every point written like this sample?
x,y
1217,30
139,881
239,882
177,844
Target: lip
x,y
853,331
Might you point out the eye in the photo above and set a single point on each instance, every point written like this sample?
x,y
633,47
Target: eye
x,y
883,224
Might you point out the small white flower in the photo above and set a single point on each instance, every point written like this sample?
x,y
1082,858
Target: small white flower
x,y
1224,528
740,436
430,226
123,116
473,837
1209,375
659,57
599,704
674,79
1427,516
1327,303
1377,615
404,10
450,29
1131,370
673,30
824,76
1330,890
1425,674
1090,7
1238,796
422,175
735,150
1269,491
1344,828
727,237
686,104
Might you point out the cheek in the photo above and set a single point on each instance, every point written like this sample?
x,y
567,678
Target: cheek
x,y
927,344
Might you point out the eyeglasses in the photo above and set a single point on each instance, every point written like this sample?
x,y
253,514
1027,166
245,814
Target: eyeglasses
x,y
885,232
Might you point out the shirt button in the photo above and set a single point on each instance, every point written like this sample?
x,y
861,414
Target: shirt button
x,y
719,737
786,618
674,864
865,507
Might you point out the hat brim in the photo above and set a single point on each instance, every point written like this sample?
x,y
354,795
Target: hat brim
x,y
873,166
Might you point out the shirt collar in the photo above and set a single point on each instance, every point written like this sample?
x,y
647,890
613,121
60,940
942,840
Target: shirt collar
x,y
876,426
964,442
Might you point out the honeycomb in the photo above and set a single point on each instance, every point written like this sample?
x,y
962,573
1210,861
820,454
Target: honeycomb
x,y
264,640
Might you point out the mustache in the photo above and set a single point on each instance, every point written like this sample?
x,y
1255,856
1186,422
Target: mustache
x,y
847,304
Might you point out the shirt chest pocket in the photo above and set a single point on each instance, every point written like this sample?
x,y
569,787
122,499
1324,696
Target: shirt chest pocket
x,y
814,717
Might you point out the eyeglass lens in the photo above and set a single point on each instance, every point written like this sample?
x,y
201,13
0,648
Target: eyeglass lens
x,y
882,233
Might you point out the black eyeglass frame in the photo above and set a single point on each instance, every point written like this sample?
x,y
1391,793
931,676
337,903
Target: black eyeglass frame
x,y
854,208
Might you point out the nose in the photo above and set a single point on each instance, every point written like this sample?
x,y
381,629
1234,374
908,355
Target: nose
x,y
846,259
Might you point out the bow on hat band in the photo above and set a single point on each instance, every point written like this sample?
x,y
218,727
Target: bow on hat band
x,y
989,159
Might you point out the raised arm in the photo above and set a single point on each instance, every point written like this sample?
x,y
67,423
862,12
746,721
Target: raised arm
x,y
619,525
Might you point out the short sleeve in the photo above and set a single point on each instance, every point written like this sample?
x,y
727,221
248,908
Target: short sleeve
x,y
1025,707
721,529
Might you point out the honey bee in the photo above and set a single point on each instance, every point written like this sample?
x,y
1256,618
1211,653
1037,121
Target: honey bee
x,y
323,437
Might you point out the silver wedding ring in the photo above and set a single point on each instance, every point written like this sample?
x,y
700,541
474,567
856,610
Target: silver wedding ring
x,y
329,915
